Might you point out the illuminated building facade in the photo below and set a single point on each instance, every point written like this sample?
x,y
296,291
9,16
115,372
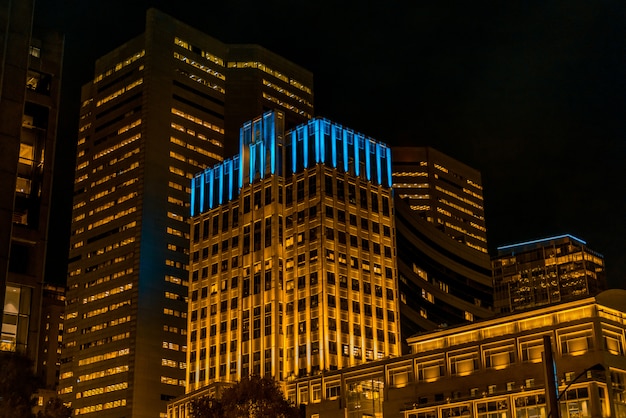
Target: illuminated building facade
x,y
545,271
491,368
442,282
443,191
30,66
154,115
444,269
292,270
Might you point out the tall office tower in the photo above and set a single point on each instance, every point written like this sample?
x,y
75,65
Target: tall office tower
x,y
51,336
154,115
30,61
546,271
444,191
442,282
445,278
292,265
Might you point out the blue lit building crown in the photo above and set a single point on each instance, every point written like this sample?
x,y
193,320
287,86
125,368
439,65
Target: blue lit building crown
x,y
266,150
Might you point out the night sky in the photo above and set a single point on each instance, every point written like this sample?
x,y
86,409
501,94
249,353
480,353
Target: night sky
x,y
531,94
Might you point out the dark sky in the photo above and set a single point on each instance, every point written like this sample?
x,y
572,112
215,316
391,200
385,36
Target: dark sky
x,y
529,93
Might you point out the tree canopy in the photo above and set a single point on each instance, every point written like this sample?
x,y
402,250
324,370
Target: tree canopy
x,y
253,396
17,385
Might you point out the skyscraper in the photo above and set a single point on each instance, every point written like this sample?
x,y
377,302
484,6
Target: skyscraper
x,y
443,191
546,271
293,271
156,113
31,61
442,282
444,269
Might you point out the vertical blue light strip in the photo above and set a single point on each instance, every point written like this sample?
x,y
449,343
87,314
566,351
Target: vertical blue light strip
x,y
193,197
378,164
333,144
273,148
211,182
305,145
294,151
357,168
345,150
221,180
388,166
229,168
251,162
262,158
202,192
319,133
368,169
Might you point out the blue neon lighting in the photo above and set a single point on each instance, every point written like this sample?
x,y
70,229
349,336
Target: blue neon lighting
x,y
221,181
346,167
333,144
357,165
294,146
379,174
305,146
201,186
273,148
211,183
260,154
368,169
537,241
193,197
389,182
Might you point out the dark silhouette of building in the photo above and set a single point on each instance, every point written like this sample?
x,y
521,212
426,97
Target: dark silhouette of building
x,y
30,75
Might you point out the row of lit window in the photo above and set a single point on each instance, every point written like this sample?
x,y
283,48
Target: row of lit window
x,y
460,198
461,208
174,312
119,92
110,247
111,292
287,93
103,357
115,174
112,218
198,150
106,324
180,172
268,70
190,161
117,146
100,342
465,232
100,407
210,71
210,57
286,105
103,373
197,120
118,66
102,389
105,309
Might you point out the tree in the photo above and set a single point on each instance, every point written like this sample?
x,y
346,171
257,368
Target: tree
x,y
55,408
17,385
252,397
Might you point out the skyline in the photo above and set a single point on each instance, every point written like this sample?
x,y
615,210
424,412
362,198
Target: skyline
x,y
493,97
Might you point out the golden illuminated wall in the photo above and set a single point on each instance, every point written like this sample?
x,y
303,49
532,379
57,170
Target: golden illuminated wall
x,y
294,277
